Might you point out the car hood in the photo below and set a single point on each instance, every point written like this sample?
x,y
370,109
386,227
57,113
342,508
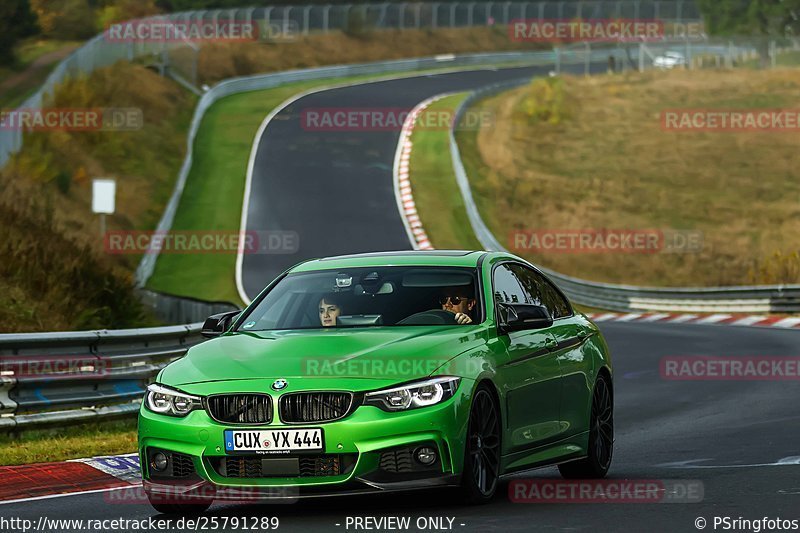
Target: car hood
x,y
383,353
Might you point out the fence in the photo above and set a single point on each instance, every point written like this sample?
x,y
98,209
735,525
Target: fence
x,y
171,309
280,22
61,378
265,81
691,53
626,298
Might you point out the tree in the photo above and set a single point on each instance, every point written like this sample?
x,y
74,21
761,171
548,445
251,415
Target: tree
x,y
17,21
66,19
763,19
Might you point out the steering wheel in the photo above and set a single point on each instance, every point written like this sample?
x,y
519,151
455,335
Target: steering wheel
x,y
430,317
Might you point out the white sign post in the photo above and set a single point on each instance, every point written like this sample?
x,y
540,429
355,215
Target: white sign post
x,y
104,191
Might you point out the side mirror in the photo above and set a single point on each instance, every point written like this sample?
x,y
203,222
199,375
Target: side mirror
x,y
517,317
216,325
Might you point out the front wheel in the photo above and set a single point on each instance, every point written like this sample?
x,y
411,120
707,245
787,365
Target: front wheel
x,y
482,451
601,437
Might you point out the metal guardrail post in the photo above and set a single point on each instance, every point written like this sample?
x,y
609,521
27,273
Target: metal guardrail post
x,y
66,377
557,52
773,54
587,71
306,19
641,57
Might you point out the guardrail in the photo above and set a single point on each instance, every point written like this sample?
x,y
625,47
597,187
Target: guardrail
x,y
265,81
288,21
62,378
170,309
626,298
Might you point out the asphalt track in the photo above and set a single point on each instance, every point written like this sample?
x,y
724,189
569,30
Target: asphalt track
x,y
741,439
735,431
334,189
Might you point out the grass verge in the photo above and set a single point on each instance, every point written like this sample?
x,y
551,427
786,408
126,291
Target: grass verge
x,y
433,181
595,156
212,199
84,440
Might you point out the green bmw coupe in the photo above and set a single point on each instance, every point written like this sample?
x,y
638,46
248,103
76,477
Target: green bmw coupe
x,y
381,372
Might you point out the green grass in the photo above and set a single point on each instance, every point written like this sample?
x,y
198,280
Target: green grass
x,y
433,182
84,440
212,198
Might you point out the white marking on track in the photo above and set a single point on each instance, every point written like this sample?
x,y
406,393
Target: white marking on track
x,y
793,460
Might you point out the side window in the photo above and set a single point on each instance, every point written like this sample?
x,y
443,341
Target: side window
x,y
540,291
506,286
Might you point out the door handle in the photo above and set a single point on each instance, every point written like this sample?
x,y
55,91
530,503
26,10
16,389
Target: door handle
x,y
582,334
550,344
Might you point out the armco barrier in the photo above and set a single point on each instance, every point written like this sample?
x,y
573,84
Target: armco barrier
x,y
266,81
628,298
59,378
307,18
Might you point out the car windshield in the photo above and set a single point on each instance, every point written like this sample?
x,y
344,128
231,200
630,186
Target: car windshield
x,y
369,296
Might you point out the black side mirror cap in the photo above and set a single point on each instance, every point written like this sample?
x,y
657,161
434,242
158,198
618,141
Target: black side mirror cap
x,y
520,317
216,325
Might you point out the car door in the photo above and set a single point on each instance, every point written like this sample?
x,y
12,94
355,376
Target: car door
x,y
530,373
571,333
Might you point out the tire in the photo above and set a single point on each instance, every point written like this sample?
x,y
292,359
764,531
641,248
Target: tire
x,y
480,475
601,436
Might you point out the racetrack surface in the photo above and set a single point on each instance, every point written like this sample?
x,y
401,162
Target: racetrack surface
x,y
334,189
729,426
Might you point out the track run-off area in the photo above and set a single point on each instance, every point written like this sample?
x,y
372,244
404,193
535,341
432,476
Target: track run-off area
x,y
739,440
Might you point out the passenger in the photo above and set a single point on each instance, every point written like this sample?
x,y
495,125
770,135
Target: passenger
x,y
459,301
330,307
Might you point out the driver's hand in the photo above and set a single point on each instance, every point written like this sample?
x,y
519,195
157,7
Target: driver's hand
x,y
461,318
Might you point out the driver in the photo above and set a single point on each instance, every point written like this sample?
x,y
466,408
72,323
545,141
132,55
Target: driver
x,y
459,301
330,307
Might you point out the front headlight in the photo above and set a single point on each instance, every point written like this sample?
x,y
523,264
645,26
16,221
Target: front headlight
x,y
165,401
414,395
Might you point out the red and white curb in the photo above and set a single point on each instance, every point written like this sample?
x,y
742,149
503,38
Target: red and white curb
x,y
715,319
79,476
420,240
402,182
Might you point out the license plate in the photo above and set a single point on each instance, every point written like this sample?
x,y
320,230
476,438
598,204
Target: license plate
x,y
273,440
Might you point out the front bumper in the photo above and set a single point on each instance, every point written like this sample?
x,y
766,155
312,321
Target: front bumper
x,y
360,443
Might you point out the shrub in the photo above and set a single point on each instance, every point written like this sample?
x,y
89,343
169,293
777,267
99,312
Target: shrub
x,y
546,101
